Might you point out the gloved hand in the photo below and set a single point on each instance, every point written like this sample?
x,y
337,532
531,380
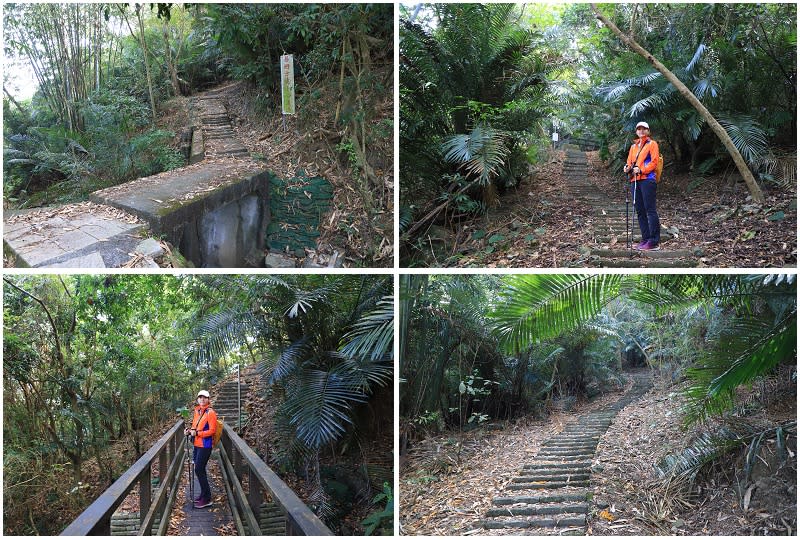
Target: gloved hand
x,y
626,168
636,170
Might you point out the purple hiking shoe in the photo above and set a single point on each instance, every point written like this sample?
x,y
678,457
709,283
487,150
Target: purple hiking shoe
x,y
650,246
202,503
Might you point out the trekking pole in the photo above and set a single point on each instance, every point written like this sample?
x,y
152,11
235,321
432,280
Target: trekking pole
x,y
628,216
189,464
635,184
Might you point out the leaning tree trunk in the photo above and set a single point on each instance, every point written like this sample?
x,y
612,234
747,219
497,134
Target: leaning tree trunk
x,y
755,191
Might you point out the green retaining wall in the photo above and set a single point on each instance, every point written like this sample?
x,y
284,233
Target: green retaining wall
x,y
296,206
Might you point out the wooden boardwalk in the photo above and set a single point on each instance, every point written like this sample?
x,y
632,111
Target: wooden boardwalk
x,y
214,520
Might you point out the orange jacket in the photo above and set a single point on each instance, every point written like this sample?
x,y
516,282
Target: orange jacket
x,y
205,422
648,158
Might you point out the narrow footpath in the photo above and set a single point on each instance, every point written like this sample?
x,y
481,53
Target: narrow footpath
x,y
608,225
552,493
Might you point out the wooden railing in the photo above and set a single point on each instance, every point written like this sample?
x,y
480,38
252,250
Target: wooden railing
x,y
239,461
169,452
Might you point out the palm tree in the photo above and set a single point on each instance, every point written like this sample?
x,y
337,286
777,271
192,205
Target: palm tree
x,y
472,89
335,334
763,334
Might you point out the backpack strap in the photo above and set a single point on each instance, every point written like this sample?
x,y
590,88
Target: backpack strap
x,y
197,427
639,153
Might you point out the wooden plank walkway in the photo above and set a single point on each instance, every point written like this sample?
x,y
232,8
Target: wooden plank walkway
x,y
214,520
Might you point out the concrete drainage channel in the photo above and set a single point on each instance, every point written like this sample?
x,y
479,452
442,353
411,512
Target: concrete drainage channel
x,y
553,491
217,211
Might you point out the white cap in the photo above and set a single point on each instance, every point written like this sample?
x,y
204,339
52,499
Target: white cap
x,y
203,393
643,124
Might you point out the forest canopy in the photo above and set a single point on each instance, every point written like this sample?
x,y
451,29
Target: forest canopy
x,y
485,348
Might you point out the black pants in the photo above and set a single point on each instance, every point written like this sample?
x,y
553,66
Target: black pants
x,y
644,193
200,458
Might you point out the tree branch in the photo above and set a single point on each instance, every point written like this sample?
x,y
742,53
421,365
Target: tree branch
x,y
49,317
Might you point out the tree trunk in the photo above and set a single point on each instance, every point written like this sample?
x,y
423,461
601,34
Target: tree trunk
x,y
171,62
755,191
145,54
519,377
11,98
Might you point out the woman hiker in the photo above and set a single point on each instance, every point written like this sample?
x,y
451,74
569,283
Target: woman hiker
x,y
204,424
642,160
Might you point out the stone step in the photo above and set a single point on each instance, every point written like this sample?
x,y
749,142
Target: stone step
x,y
550,478
658,254
220,135
549,472
638,262
534,523
570,448
537,499
562,458
573,441
549,485
557,466
567,451
539,510
584,455
230,405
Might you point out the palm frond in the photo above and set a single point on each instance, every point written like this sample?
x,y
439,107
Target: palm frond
x,y
222,332
747,135
705,86
291,358
696,58
534,307
481,152
318,404
372,336
748,349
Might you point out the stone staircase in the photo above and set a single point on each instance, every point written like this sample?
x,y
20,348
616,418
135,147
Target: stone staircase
x,y
215,210
211,123
608,225
225,397
552,492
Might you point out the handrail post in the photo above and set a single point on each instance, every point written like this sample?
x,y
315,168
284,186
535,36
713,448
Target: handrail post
x,y
144,493
237,463
239,396
162,466
254,496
